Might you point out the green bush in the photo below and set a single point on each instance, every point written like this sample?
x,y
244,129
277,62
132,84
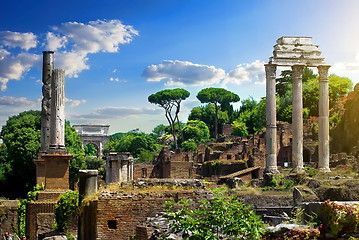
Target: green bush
x,y
67,204
189,145
21,209
221,215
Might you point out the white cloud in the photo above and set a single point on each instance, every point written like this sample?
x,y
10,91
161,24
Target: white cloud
x,y
72,62
16,102
16,39
82,39
117,112
97,36
341,68
55,42
75,39
13,67
73,102
249,72
183,73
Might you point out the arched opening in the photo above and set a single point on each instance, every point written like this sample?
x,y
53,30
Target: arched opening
x,y
92,157
91,149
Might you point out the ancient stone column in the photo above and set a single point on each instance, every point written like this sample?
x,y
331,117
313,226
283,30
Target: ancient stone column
x,y
271,125
57,131
47,67
323,119
297,118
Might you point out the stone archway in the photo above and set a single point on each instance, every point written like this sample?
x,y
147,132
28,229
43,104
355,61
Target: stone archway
x,y
297,53
93,134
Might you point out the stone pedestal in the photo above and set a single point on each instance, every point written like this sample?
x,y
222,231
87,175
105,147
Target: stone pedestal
x,y
40,170
57,171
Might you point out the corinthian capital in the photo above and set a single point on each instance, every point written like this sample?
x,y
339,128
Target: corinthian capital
x,y
270,70
323,72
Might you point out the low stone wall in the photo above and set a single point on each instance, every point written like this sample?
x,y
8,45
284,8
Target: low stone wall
x,y
8,215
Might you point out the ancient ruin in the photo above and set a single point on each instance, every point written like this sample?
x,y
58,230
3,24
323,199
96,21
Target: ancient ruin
x,y
52,165
93,134
297,53
119,167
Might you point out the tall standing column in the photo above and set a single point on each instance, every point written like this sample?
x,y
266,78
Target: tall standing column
x,y
297,118
271,124
48,66
57,131
323,119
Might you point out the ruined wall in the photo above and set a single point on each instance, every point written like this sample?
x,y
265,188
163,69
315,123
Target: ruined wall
x,y
118,215
181,170
142,170
40,218
8,215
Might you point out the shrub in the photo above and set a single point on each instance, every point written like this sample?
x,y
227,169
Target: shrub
x,y
67,204
220,216
189,145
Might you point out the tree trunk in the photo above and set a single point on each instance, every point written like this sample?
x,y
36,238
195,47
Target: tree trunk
x,y
179,124
172,125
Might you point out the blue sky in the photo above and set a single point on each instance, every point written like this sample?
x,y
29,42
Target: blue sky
x,y
117,53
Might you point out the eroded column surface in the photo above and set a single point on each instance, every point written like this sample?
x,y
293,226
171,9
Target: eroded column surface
x,y
271,125
297,118
57,131
48,66
323,119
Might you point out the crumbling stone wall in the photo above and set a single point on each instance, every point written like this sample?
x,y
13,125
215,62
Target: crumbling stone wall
x,y
117,214
142,170
8,215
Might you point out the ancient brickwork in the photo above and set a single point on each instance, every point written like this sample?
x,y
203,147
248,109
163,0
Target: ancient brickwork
x,y
32,217
8,215
142,170
117,215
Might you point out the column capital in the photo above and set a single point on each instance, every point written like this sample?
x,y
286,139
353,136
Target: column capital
x,y
297,69
270,70
323,72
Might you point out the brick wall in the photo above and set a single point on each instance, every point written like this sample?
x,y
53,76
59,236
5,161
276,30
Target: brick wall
x,y
137,170
182,170
117,218
8,215
33,209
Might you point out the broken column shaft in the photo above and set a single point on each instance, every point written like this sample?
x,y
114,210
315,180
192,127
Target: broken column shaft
x,y
47,68
57,131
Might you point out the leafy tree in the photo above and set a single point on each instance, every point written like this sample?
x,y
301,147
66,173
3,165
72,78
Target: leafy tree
x,y
282,83
90,150
339,87
141,145
21,143
218,97
74,146
239,129
253,114
207,114
189,145
92,162
221,217
159,130
170,100
197,131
